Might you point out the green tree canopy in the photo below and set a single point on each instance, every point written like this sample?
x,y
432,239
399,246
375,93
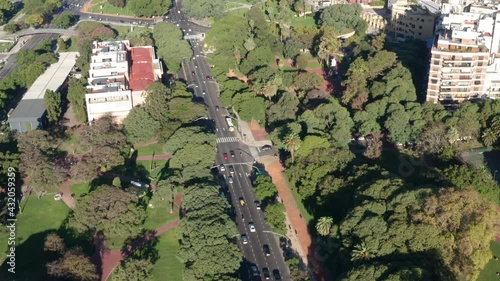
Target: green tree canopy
x,y
200,9
168,37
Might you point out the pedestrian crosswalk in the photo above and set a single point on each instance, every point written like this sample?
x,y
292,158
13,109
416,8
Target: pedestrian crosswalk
x,y
227,139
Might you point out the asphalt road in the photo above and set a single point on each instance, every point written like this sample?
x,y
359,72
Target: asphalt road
x,y
242,164
11,63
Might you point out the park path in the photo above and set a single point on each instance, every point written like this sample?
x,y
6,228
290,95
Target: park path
x,y
109,259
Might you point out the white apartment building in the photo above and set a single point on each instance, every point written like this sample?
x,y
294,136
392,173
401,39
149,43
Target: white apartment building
x,y
118,76
465,56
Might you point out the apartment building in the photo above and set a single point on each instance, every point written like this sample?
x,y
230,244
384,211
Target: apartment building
x,y
464,59
410,21
118,76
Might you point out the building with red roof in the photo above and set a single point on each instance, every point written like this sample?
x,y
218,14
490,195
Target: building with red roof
x,y
118,76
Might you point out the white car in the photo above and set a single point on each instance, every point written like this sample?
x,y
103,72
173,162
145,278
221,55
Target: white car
x,y
203,92
222,168
230,179
252,227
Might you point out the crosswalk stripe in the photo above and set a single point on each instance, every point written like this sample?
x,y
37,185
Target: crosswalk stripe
x,y
227,139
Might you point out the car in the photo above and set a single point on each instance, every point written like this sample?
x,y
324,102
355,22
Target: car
x,y
265,272
244,239
254,270
204,93
195,66
267,252
242,201
231,170
257,205
276,274
266,147
230,179
208,77
190,30
232,153
217,107
177,24
225,156
222,168
192,72
252,227
178,12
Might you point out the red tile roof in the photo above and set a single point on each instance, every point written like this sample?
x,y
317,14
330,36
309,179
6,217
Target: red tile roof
x,y
141,71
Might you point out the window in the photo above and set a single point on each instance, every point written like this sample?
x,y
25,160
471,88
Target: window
x,y
420,33
419,27
434,81
479,64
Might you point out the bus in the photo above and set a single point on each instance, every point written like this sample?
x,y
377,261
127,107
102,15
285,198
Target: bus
x,y
230,124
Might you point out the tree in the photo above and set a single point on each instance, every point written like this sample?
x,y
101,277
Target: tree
x,y
34,20
251,108
374,146
164,194
433,139
74,265
110,210
53,105
205,213
140,37
489,137
324,226
397,124
148,8
264,188
200,9
11,28
193,161
275,217
468,218
134,270
185,135
76,96
329,43
156,105
117,182
168,37
292,48
362,252
54,243
259,57
343,17
117,3
292,143
284,110
307,80
301,61
140,126
63,21
61,44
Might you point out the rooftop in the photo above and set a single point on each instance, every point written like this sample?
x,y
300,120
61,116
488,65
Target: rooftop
x,y
142,72
32,104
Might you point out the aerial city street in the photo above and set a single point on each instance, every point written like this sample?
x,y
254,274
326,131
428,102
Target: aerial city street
x,y
294,140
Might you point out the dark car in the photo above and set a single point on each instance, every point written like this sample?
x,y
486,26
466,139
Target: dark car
x,y
267,252
225,156
276,274
265,272
254,270
192,72
232,153
266,148
208,77
244,239
257,205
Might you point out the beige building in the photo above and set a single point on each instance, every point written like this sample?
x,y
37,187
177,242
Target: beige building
x,y
464,63
409,21
376,18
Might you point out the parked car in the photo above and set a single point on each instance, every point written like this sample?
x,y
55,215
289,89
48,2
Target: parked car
x,y
276,274
232,153
254,270
225,156
231,179
231,170
266,147
222,168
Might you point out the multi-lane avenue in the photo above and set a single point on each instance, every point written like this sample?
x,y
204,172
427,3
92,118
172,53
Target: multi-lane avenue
x,y
236,171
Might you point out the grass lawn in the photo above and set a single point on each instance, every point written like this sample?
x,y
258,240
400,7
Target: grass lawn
x,y
71,42
307,21
492,267
151,149
39,217
308,217
160,216
80,189
122,31
6,46
314,64
110,9
168,267
288,68
145,165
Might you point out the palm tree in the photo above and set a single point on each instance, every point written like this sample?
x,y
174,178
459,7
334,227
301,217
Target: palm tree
x,y
362,252
495,125
324,225
292,143
489,137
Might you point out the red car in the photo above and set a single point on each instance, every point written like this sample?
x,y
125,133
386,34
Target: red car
x,y
225,156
